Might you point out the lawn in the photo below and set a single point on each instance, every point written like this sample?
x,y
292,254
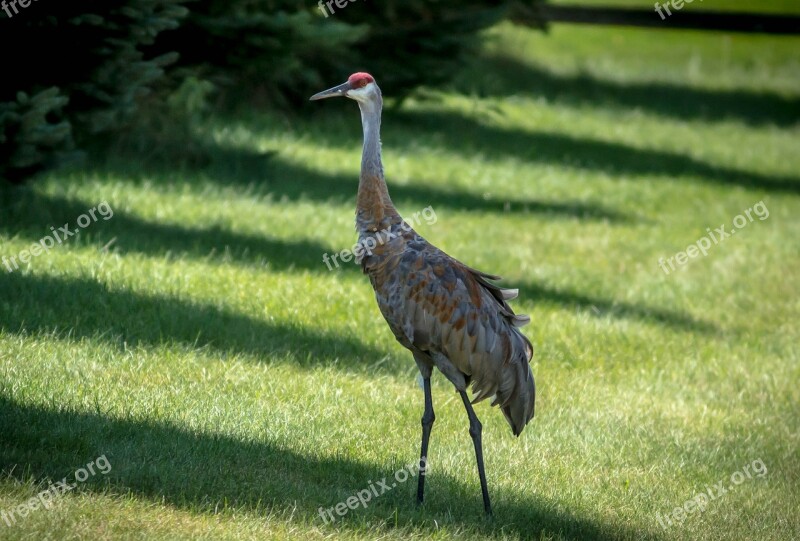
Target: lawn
x,y
767,7
197,342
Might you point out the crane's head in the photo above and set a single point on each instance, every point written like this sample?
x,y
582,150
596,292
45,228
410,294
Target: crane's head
x,y
359,86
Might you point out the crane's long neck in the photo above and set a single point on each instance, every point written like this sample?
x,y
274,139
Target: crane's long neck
x,y
373,204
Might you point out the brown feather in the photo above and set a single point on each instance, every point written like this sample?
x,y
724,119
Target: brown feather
x,y
453,315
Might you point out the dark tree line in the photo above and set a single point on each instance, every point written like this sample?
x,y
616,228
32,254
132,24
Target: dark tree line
x,y
72,70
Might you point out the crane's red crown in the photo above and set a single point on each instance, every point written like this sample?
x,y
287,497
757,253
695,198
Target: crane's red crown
x,y
360,79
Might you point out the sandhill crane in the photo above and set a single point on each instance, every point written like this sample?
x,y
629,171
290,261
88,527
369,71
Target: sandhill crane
x,y
447,314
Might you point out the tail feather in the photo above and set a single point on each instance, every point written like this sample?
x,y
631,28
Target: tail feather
x,y
514,390
519,409
516,396
511,380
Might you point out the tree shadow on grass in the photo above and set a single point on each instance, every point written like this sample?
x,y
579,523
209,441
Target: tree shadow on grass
x,y
83,308
504,76
599,307
204,472
469,137
285,180
32,214
419,197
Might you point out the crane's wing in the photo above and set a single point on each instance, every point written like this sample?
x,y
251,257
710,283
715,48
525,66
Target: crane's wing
x,y
455,314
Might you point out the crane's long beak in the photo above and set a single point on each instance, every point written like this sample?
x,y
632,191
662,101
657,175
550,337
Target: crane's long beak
x,y
334,92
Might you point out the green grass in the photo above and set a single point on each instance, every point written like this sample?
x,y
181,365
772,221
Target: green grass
x,y
197,340
768,7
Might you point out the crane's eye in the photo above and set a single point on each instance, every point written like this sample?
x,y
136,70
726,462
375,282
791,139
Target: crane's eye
x,y
362,83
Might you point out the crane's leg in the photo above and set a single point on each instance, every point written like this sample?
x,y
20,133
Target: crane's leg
x,y
475,430
427,423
